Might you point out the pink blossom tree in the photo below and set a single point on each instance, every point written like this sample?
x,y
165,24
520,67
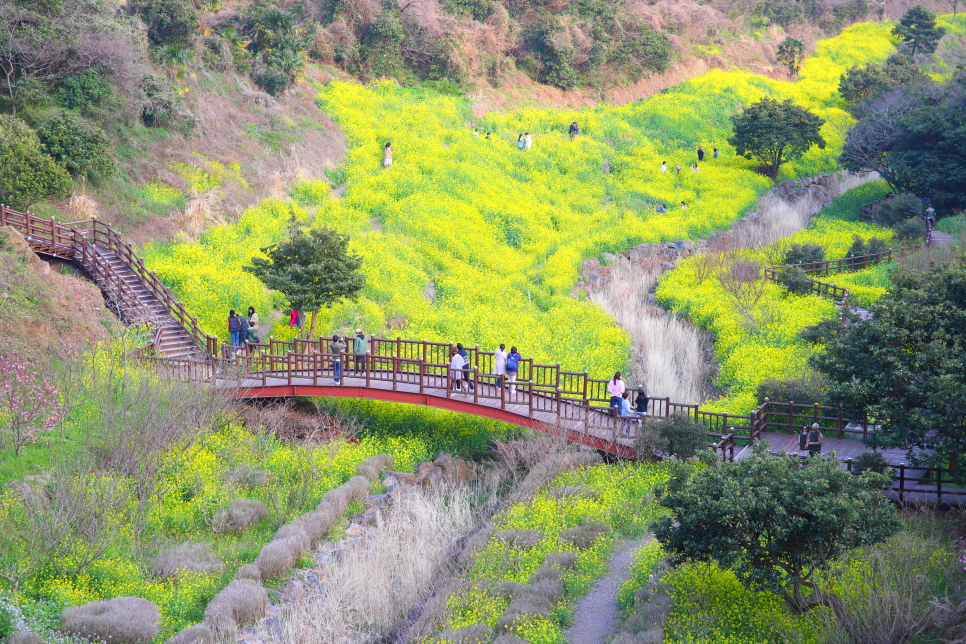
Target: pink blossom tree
x,y
30,404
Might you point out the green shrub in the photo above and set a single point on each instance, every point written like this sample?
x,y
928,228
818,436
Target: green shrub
x,y
85,91
822,332
7,625
479,10
78,147
27,173
804,254
870,461
168,21
270,80
795,280
160,107
678,435
910,229
898,209
800,390
860,247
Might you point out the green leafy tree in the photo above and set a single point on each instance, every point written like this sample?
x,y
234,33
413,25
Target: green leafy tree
x,y
312,269
906,365
804,254
778,524
791,53
78,147
169,22
27,173
861,83
678,435
795,280
775,132
917,28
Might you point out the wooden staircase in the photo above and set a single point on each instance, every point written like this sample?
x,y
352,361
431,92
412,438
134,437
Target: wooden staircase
x,y
131,290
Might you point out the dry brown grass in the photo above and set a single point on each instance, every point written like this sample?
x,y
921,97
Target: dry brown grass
x,y
375,585
240,515
24,637
198,634
82,207
121,620
201,212
185,558
240,602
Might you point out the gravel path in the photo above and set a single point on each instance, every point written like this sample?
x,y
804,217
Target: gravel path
x,y
597,617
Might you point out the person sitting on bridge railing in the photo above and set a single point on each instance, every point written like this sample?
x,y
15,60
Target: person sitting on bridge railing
x,y
616,388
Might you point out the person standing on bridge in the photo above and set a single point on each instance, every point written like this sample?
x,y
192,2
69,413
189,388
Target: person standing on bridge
x,y
234,328
624,411
512,366
470,386
360,347
815,440
456,364
499,365
243,334
616,389
337,348
641,402
253,325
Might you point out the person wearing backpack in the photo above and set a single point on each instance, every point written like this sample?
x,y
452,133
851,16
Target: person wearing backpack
x,y
512,366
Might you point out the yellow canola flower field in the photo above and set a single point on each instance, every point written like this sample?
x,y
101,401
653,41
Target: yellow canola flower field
x,y
472,240
765,343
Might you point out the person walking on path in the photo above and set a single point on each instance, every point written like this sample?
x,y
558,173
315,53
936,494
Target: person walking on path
x,y
700,153
470,385
931,216
387,155
253,325
360,347
663,167
715,153
815,439
521,143
616,388
337,348
234,328
499,365
512,366
528,141
574,130
456,371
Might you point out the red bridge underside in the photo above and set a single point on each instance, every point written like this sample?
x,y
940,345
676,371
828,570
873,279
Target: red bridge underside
x,y
439,402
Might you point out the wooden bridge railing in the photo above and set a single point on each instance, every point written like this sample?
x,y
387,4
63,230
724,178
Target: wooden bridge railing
x,y
846,264
78,241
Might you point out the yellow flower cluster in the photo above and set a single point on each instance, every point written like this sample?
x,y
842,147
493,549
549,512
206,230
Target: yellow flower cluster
x,y
762,342
467,238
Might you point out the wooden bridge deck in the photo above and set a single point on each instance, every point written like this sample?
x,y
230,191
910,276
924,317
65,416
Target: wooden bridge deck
x,y
547,398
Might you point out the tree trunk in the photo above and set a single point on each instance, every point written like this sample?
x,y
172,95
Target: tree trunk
x,y
829,600
312,326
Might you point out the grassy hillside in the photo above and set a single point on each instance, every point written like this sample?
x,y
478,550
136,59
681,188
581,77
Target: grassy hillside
x,y
472,240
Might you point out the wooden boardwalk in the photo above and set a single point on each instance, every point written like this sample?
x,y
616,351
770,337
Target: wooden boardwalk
x,y
546,398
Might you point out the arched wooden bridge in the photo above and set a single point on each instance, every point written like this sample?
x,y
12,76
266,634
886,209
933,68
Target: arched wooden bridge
x,y
545,398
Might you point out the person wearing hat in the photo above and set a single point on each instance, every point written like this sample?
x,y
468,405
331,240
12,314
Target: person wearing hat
x,y
360,347
337,348
815,438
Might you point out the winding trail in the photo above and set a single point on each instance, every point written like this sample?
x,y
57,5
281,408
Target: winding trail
x,y
597,617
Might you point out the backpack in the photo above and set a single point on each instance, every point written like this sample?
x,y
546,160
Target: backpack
x,y
511,362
